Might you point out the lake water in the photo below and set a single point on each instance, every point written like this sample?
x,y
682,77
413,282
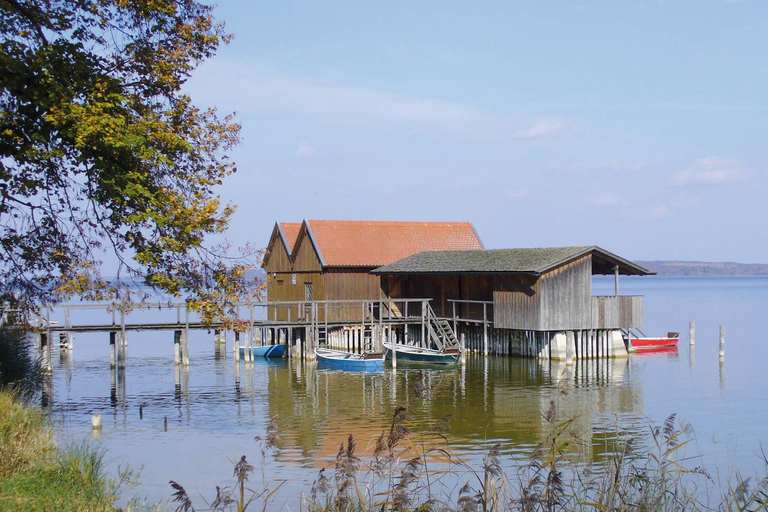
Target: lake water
x,y
214,416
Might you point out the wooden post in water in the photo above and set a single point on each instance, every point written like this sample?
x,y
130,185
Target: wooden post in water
x,y
121,349
691,333
176,347
185,347
394,356
112,349
722,341
485,330
289,342
123,337
45,351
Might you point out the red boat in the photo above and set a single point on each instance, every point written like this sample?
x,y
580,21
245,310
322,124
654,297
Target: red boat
x,y
645,343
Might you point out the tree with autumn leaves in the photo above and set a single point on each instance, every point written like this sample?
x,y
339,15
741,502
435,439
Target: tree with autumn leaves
x,y
101,152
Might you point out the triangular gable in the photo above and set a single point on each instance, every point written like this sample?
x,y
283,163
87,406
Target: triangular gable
x,y
375,243
283,239
290,231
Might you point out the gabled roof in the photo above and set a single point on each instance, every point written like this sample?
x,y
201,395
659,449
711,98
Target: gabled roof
x,y
535,261
286,232
289,232
359,243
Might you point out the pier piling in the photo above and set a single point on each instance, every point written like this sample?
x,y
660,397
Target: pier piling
x,y
112,349
176,347
722,341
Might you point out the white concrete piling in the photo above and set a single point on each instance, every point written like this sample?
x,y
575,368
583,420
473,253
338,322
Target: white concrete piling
x,y
691,333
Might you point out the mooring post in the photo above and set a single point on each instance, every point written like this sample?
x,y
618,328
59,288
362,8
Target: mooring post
x,y
236,348
722,341
394,356
289,341
121,350
123,337
112,349
176,347
691,333
485,330
464,349
45,351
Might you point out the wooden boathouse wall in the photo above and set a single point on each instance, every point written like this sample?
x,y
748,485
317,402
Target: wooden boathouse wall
x,y
556,298
559,299
330,284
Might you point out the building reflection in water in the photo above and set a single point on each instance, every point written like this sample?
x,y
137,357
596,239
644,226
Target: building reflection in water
x,y
505,400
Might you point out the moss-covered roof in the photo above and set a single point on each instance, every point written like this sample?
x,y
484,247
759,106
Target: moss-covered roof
x,y
519,261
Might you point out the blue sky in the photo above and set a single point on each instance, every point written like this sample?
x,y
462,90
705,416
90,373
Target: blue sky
x,y
637,126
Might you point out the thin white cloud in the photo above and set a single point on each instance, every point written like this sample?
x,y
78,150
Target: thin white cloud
x,y
250,90
305,150
542,128
607,199
712,170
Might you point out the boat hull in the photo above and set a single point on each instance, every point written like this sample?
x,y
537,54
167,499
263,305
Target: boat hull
x,y
410,354
265,351
348,361
645,344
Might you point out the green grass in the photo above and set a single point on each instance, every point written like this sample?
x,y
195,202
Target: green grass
x,y
35,475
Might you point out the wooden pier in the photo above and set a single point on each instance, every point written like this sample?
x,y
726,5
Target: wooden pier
x,y
306,325
351,325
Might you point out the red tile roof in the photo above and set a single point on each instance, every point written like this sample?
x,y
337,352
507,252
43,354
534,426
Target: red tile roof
x,y
351,243
291,232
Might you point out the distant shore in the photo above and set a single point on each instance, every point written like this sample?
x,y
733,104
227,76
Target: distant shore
x,y
701,268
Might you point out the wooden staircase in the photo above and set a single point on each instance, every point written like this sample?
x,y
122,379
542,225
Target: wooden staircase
x,y
440,333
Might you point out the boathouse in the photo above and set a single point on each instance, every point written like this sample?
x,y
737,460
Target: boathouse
x,y
527,296
331,260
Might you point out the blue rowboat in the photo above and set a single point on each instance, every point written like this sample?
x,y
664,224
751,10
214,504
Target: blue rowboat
x,y
367,361
411,354
265,351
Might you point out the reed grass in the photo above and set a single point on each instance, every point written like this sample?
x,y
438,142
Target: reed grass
x,y
35,475
420,473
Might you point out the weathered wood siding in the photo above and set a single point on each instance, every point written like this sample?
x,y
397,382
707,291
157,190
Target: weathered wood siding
x,y
560,299
278,260
305,258
350,284
281,289
611,312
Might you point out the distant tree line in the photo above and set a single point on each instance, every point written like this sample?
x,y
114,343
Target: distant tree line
x,y
698,268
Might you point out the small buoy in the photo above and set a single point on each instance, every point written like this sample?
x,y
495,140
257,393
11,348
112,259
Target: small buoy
x,y
96,421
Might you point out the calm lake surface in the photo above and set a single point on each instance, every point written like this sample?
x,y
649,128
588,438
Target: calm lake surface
x,y
213,417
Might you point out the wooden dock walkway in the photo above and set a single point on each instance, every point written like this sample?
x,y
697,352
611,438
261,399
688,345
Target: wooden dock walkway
x,y
355,325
